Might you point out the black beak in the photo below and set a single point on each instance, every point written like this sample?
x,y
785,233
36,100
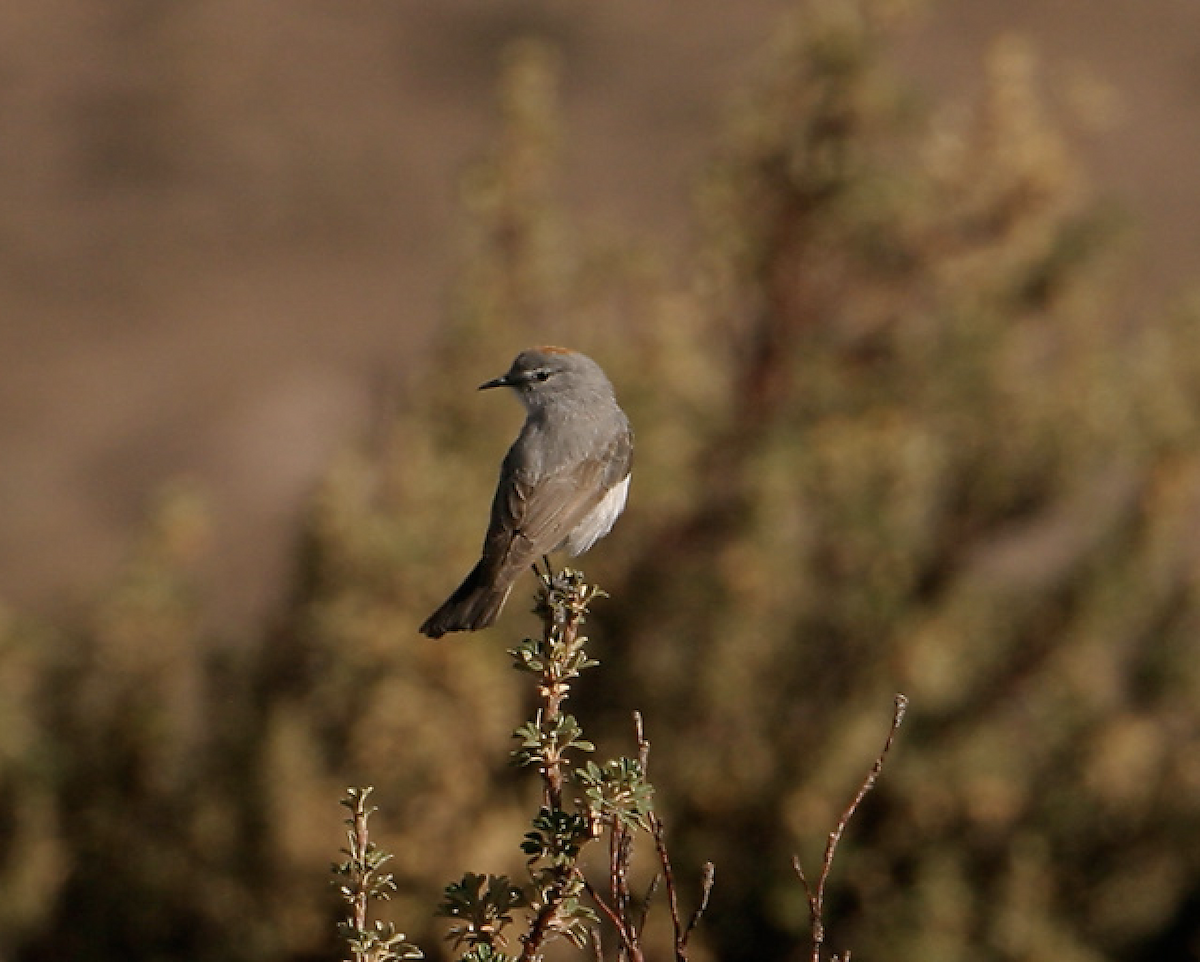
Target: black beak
x,y
502,381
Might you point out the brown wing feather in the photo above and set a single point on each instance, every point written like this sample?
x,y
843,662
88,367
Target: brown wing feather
x,y
530,519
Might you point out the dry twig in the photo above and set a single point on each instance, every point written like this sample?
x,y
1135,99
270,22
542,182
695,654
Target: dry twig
x,y
816,894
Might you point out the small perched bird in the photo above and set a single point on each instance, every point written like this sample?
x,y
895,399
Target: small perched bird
x,y
562,484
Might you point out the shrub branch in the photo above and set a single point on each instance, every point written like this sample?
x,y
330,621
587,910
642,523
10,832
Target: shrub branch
x,y
816,893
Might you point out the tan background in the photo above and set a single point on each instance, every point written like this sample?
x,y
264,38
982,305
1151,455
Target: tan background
x,y
227,228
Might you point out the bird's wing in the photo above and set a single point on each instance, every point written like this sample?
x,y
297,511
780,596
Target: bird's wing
x,y
532,515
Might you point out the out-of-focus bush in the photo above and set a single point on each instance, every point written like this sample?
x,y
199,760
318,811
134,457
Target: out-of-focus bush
x,y
894,433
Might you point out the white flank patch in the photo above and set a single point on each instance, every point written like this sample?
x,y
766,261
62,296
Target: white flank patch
x,y
600,521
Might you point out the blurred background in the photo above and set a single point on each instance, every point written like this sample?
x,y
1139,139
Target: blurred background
x,y
899,302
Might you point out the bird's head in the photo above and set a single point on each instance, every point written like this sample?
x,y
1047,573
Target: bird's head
x,y
545,375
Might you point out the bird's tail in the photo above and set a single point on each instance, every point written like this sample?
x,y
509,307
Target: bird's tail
x,y
475,604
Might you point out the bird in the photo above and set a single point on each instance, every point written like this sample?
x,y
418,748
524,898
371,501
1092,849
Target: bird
x,y
562,484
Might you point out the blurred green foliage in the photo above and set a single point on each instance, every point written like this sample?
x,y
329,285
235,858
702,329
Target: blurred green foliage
x,y
896,432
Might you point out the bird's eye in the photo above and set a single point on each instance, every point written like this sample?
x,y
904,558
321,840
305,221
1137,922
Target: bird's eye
x,y
541,374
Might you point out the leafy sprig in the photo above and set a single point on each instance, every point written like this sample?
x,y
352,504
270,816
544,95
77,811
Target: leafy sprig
x,y
361,879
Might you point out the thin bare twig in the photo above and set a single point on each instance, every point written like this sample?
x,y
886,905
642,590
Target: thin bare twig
x,y
629,940
647,901
708,878
683,930
816,894
643,743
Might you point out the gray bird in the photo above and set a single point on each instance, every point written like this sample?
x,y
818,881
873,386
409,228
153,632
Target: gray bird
x,y
562,484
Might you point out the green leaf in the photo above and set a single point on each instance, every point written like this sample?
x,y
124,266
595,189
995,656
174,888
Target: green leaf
x,y
617,791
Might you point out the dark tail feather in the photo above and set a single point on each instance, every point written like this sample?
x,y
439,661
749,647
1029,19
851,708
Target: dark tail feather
x,y
474,605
